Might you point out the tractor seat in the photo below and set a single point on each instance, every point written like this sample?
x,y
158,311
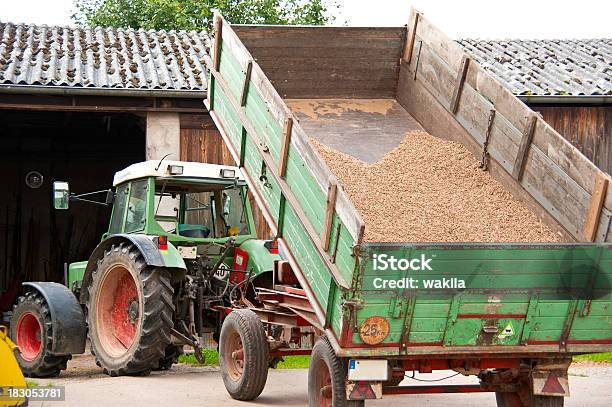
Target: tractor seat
x,y
195,231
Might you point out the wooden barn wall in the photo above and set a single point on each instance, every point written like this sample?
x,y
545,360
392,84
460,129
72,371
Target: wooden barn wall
x,y
304,62
589,128
202,142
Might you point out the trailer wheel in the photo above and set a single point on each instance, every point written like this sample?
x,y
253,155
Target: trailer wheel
x,y
32,331
326,378
515,400
129,312
243,355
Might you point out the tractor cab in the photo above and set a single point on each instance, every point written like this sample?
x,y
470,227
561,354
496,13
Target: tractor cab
x,y
183,201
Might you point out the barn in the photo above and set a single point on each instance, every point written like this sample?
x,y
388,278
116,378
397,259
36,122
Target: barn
x,y
568,82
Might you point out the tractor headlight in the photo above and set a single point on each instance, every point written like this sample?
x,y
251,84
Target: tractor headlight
x,y
227,173
175,169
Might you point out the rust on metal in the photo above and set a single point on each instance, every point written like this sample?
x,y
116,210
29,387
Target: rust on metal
x,y
374,330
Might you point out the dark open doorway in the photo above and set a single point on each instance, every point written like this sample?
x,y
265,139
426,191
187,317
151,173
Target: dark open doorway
x,y
85,149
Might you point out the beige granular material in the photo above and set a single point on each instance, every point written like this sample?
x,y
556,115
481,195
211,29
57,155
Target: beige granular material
x,y
432,190
315,109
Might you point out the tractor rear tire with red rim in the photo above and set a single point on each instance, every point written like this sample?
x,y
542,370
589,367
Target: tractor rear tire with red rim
x,y
243,355
326,378
32,331
130,311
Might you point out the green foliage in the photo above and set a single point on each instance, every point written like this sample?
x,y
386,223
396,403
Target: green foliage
x,y
212,359
294,362
605,357
197,14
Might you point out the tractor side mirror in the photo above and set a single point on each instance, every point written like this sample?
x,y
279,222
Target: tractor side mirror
x,y
61,195
110,197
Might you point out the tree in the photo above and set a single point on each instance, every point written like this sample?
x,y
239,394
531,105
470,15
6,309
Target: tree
x,y
196,14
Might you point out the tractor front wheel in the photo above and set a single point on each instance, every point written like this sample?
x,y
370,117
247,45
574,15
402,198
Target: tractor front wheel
x,y
243,355
32,331
129,312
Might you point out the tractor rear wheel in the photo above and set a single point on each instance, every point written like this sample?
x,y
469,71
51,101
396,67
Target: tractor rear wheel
x,y
326,378
243,355
129,312
32,331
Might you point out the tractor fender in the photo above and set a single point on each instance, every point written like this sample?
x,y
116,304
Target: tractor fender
x,y
67,317
170,258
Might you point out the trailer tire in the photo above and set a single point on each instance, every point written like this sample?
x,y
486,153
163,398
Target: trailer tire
x,y
129,312
514,400
243,355
32,331
327,372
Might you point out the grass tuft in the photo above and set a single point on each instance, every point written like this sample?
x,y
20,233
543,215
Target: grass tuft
x,y
212,359
605,357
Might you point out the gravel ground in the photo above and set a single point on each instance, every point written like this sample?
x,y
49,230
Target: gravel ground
x,y
432,190
185,385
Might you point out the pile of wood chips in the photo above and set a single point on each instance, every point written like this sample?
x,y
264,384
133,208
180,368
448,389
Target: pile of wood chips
x,y
432,190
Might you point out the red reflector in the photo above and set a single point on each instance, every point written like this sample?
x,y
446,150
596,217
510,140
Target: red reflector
x,y
162,242
240,265
272,246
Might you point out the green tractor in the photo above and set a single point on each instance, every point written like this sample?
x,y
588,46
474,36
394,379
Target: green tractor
x,y
179,256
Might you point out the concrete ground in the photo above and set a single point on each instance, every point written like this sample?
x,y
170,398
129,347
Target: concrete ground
x,y
186,385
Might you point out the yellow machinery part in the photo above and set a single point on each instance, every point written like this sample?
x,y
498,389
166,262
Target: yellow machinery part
x,y
10,374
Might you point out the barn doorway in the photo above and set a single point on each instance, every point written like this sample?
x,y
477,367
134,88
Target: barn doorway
x,y
37,148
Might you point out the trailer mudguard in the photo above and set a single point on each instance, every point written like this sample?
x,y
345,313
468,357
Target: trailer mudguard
x,y
170,258
69,327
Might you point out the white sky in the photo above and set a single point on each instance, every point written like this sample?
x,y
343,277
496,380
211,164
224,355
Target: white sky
x,y
458,18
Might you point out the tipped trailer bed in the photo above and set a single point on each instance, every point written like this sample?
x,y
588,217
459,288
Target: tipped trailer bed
x,y
513,314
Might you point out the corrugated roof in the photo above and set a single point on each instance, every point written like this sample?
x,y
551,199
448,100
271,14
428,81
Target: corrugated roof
x,y
547,67
105,58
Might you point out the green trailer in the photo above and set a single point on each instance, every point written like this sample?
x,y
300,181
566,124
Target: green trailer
x,y
511,314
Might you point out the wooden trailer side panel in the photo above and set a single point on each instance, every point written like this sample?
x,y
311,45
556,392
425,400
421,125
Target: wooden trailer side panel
x,y
557,296
289,180
452,99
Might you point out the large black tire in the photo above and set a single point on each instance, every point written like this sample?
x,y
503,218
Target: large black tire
x,y
171,357
32,331
527,399
327,372
129,312
243,355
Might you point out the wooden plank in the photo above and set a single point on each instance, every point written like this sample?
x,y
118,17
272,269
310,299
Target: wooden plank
x,y
218,35
410,37
595,207
245,85
521,155
317,36
287,128
461,73
329,214
447,49
339,53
